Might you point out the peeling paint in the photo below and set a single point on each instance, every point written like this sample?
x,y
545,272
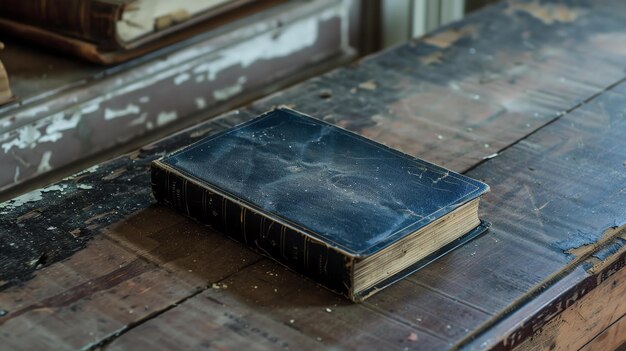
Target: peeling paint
x,y
432,59
230,91
32,196
166,117
27,137
448,37
262,41
290,39
131,109
580,244
59,124
273,44
32,112
91,169
200,103
90,108
181,78
369,85
44,164
139,120
546,13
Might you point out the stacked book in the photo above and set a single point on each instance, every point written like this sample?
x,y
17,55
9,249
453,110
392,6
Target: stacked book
x,y
112,31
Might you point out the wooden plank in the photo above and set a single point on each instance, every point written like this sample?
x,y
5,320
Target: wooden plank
x,y
590,316
215,325
482,93
278,295
610,339
197,254
94,294
548,303
555,194
132,271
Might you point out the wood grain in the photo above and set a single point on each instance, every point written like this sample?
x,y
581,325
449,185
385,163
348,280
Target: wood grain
x,y
592,315
610,339
147,264
283,297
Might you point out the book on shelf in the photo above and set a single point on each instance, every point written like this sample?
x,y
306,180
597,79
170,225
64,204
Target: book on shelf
x,y
112,31
350,213
5,89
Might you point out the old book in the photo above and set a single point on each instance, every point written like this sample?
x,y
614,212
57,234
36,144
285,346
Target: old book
x,y
111,31
5,90
352,214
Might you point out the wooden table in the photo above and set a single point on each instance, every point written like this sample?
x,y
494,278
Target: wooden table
x,y
528,97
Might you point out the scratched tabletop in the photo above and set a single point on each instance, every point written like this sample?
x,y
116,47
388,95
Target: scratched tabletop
x,y
527,96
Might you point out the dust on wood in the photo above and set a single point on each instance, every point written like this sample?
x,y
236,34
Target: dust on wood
x,y
584,319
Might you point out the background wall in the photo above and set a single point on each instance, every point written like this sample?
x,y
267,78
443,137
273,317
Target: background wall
x,y
405,19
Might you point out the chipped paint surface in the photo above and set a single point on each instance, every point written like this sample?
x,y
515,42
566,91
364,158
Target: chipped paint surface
x,y
548,13
30,135
139,120
32,196
59,124
448,37
44,164
166,117
369,85
27,136
181,78
33,112
584,244
130,109
200,103
290,39
230,91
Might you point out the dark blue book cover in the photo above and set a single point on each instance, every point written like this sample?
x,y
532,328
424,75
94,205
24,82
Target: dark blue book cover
x,y
320,199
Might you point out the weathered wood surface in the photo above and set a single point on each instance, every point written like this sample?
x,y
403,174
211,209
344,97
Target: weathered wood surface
x,y
528,97
612,338
590,315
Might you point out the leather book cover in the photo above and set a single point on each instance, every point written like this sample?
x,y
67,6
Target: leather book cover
x,y
311,195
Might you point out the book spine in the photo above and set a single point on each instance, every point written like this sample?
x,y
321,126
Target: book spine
x,y
90,20
292,248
